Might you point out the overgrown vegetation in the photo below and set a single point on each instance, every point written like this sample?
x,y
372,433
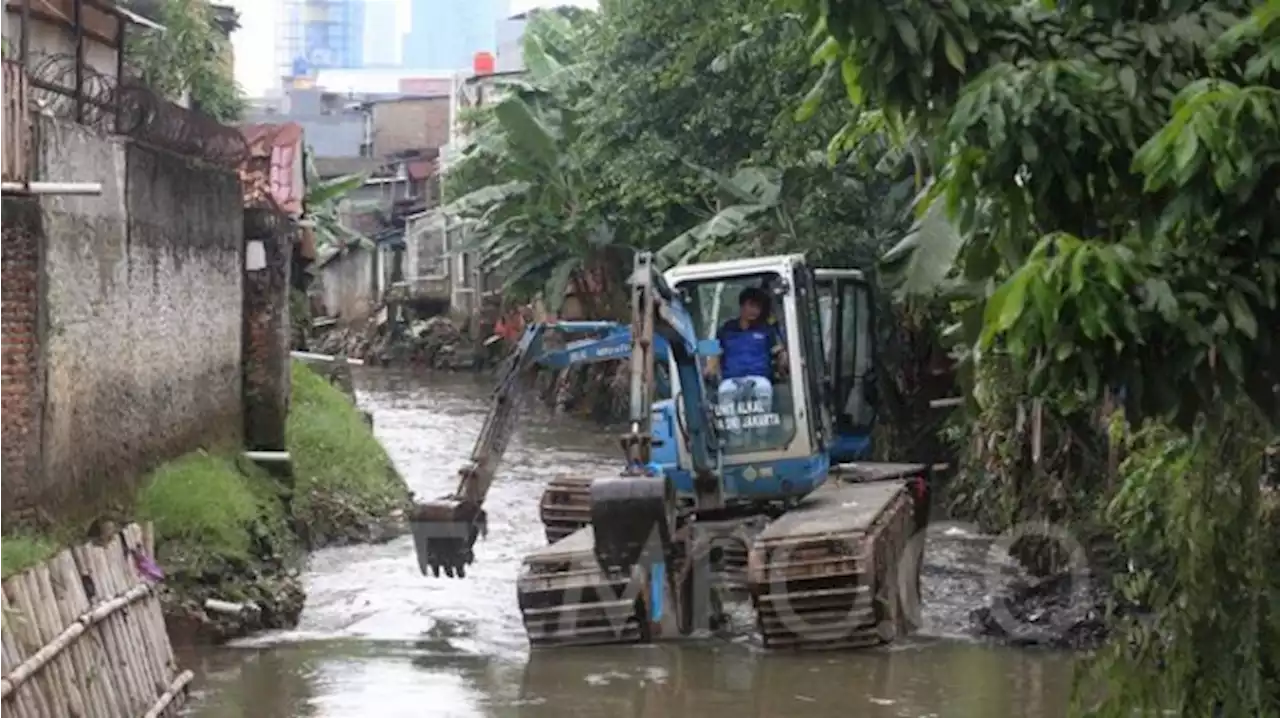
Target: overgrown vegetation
x,y
21,551
345,486
213,513
187,58
1081,201
1102,219
629,132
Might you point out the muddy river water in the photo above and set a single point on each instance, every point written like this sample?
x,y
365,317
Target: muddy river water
x,y
379,640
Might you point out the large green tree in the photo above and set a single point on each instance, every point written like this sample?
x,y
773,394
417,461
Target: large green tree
x,y
1104,186
651,125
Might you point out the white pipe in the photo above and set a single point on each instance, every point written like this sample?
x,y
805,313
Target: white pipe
x,y
324,357
230,608
944,403
267,455
89,188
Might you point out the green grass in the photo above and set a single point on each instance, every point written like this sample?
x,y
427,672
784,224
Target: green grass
x,y
210,510
343,475
21,551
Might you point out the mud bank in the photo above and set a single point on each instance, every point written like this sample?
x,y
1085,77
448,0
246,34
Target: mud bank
x,y
434,343
1056,612
1051,596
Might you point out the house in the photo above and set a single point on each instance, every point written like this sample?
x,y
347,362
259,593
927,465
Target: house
x,y
348,282
355,282
52,31
468,285
409,123
429,268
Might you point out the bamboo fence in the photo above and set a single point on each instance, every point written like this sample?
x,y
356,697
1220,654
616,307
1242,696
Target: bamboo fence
x,y
84,637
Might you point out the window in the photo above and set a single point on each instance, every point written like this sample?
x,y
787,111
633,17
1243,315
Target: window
x,y
754,412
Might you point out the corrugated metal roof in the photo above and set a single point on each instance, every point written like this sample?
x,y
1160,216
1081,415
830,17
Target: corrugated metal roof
x,y
273,172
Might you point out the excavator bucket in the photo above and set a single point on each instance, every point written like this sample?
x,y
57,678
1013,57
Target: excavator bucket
x,y
444,534
633,519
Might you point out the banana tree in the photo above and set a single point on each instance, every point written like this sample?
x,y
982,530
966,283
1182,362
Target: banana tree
x,y
772,210
322,203
522,195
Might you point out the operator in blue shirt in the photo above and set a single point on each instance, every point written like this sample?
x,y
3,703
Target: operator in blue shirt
x,y
749,347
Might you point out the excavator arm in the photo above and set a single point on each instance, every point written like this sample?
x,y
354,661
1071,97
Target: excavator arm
x,y
445,530
634,515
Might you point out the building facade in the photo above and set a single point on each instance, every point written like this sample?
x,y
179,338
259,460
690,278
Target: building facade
x,y
446,34
510,55
317,35
383,34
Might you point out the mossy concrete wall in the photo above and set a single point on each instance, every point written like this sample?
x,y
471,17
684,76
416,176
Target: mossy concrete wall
x,y
141,289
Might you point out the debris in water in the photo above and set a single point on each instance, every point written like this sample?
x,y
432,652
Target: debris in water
x,y
604,679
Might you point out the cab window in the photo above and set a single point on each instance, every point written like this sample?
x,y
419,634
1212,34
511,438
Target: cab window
x,y
752,396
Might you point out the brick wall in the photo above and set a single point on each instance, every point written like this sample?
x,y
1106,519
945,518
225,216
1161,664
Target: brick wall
x,y
412,124
267,332
21,410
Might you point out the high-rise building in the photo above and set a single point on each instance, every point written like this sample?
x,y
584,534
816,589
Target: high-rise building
x,y
510,55
383,34
446,34
320,34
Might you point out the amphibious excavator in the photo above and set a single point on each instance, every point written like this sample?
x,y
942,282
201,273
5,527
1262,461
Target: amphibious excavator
x,y
719,491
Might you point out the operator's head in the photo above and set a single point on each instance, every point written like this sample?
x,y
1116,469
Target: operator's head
x,y
753,302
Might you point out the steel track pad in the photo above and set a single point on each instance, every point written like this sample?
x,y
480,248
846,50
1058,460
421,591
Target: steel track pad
x,y
633,519
444,533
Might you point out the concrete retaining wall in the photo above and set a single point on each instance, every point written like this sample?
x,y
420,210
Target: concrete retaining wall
x,y
142,292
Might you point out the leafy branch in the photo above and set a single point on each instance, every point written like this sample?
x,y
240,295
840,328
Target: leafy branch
x,y
187,58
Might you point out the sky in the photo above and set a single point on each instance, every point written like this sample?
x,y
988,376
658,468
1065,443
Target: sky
x,y
255,41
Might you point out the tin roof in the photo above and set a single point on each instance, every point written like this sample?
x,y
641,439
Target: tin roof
x,y
272,174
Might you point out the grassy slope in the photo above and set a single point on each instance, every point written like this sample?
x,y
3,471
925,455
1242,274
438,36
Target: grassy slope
x,y
344,479
212,512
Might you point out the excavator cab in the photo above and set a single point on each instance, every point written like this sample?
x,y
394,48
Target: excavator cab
x,y
773,424
848,341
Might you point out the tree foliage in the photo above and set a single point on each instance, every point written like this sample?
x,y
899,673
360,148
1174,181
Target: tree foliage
x,y
628,131
527,175
1102,214
186,58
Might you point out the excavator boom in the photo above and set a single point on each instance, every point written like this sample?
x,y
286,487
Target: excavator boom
x,y
445,529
